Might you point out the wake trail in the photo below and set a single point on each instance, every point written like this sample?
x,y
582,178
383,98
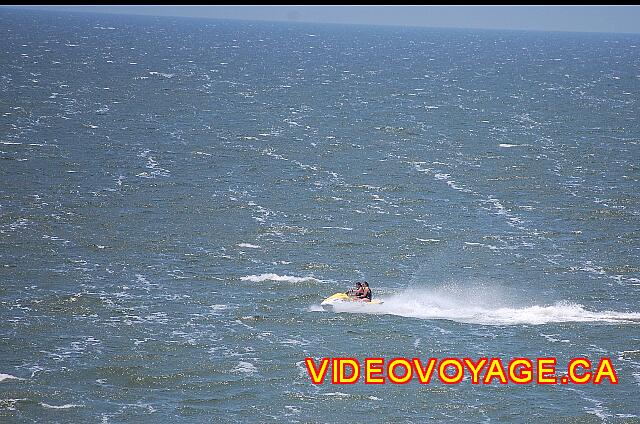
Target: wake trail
x,y
470,306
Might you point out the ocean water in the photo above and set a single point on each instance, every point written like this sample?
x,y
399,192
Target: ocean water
x,y
177,196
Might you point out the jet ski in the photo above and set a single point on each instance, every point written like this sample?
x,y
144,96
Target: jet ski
x,y
343,299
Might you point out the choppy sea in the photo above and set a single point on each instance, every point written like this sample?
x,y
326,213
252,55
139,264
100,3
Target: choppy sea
x,y
177,196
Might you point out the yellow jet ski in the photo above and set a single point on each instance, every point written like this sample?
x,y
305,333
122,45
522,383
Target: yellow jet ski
x,y
344,299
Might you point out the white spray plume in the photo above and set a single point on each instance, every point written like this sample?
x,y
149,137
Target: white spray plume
x,y
482,304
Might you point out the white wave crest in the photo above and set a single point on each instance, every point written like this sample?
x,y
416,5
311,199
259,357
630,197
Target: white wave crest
x,y
162,74
245,367
477,307
275,277
66,406
9,377
337,394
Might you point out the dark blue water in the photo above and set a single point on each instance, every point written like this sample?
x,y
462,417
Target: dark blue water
x,y
177,196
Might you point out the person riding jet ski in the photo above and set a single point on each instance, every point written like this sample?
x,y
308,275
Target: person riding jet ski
x,y
357,292
366,293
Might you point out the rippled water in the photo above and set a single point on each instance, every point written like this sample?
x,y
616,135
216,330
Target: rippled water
x,y
177,196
